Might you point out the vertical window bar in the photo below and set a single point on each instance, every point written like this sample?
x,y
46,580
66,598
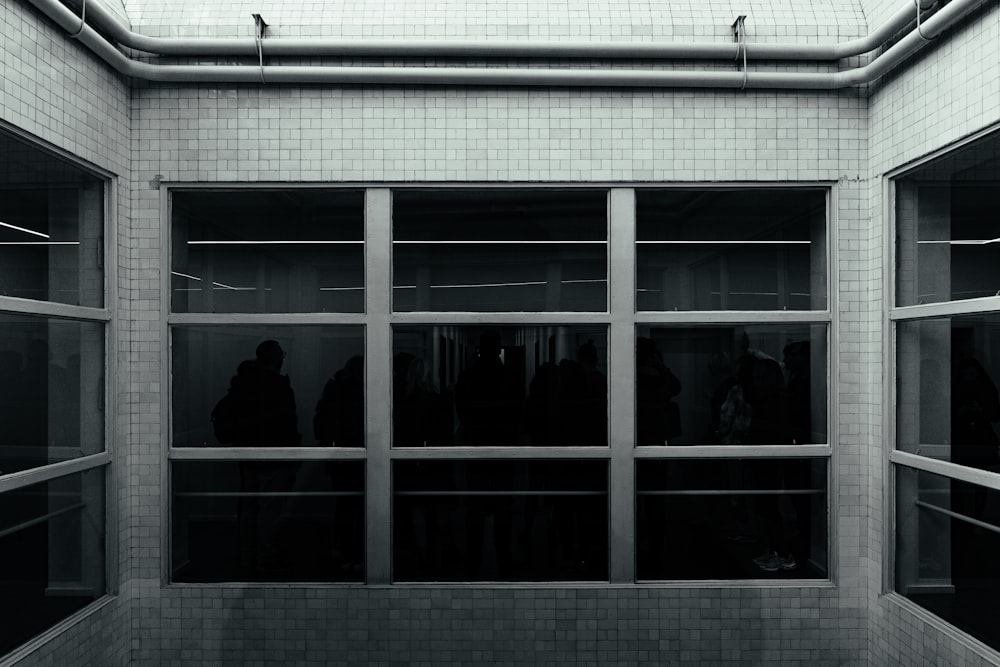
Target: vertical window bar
x,y
378,376
621,383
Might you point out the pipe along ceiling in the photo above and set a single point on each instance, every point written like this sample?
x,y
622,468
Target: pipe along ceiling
x,y
740,51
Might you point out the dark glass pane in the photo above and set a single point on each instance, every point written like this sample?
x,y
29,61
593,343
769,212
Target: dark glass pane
x,y
500,250
233,387
51,553
731,519
731,249
51,390
759,384
51,227
947,232
500,385
947,406
948,550
267,521
500,521
267,251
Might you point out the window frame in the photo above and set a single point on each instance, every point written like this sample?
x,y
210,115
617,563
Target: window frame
x,y
101,316
620,318
895,459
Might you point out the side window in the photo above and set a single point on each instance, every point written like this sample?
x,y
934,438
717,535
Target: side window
x,y
947,375
53,406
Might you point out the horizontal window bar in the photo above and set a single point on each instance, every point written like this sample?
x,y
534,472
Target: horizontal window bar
x,y
513,318
511,453
985,478
24,478
267,494
265,318
734,492
497,242
264,453
745,242
277,242
956,515
500,493
12,304
41,519
734,452
985,304
708,317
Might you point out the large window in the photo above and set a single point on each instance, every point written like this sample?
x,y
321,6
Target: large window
x,y
53,455
947,366
268,365
518,393
734,384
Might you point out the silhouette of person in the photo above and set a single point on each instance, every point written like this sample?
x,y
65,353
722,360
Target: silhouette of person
x,y
584,399
339,421
761,380
340,413
657,418
488,413
263,414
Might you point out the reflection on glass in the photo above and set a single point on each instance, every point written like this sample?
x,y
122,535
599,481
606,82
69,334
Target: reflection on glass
x,y
948,550
52,560
948,241
500,250
948,406
500,521
762,384
277,386
267,521
51,391
724,249
267,251
51,228
731,519
500,385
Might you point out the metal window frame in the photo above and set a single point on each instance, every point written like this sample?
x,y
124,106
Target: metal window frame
x,y
109,329
895,459
620,318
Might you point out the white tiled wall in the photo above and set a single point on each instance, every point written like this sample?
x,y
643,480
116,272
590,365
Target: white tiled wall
x,y
53,90
951,91
324,134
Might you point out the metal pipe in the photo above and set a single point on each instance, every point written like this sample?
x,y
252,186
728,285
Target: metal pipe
x,y
507,76
427,48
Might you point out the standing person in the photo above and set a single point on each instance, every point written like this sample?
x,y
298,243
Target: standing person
x,y
259,411
488,414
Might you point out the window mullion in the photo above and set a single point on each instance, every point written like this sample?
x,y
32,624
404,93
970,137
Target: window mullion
x,y
378,375
621,383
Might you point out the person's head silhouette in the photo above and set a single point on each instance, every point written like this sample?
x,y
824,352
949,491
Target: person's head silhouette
x,y
489,345
270,355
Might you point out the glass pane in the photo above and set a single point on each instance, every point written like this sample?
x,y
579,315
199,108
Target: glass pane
x,y
948,550
731,519
500,521
52,560
51,391
947,231
267,521
51,228
500,250
731,249
500,385
277,386
947,406
270,251
757,384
